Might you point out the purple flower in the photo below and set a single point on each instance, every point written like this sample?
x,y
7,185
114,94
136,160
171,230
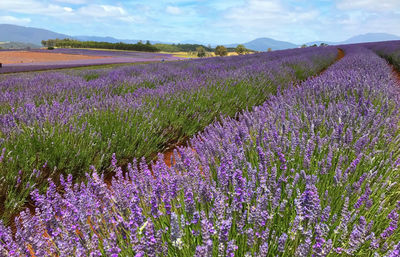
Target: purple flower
x,y
282,242
310,204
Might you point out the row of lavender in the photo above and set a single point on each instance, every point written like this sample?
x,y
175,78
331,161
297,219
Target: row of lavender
x,y
388,50
118,57
100,52
311,172
55,123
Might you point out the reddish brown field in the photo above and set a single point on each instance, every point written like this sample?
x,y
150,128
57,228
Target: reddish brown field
x,y
10,57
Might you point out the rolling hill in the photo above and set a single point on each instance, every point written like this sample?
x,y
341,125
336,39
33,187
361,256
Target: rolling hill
x,y
363,38
14,33
262,44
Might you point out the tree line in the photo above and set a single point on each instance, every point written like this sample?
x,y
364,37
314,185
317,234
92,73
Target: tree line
x,y
72,43
201,50
182,47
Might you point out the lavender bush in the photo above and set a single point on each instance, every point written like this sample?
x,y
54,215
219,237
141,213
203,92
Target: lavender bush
x,y
388,50
311,172
53,123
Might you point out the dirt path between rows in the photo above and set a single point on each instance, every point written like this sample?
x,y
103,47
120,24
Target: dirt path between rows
x,y
396,74
340,54
13,57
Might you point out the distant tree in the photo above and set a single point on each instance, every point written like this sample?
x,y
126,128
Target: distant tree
x,y
201,52
94,44
323,44
148,43
240,49
303,46
314,45
269,49
50,42
221,51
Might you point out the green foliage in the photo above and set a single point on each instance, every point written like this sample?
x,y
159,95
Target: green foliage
x,y
240,49
391,57
181,47
50,48
91,76
201,52
221,51
128,133
102,45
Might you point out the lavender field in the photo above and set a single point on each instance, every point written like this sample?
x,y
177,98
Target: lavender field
x,y
110,57
288,153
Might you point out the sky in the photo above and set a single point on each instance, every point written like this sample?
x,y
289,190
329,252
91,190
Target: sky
x,y
208,21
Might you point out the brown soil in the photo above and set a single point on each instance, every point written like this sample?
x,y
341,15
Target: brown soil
x,y
396,74
340,54
12,57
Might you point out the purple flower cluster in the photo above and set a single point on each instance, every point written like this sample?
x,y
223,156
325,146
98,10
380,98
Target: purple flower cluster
x,y
58,97
73,119
309,173
388,50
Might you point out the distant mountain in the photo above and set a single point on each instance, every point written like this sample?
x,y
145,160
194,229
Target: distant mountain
x,y
14,33
371,37
192,42
262,44
17,45
95,38
105,39
364,38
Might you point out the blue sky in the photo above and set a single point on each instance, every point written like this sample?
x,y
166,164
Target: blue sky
x,y
208,21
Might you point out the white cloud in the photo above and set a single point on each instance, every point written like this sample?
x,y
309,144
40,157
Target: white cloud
x,y
364,16
173,10
370,5
256,18
74,15
268,14
108,11
101,11
72,1
14,20
32,7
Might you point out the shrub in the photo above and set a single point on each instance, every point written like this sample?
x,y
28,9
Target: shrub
x,y
221,51
201,52
240,49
